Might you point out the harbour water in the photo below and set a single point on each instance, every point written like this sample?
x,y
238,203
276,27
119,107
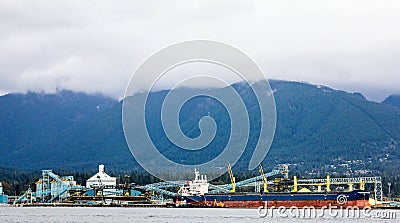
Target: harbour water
x,y
220,215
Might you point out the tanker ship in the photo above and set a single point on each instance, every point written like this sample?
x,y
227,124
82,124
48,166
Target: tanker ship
x,y
281,192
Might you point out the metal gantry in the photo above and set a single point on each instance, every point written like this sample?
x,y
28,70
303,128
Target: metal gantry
x,y
376,181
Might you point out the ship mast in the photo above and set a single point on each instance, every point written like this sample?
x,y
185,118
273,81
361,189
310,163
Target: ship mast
x,y
233,190
260,169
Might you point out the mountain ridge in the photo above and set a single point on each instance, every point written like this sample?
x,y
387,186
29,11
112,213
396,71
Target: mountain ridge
x,y
393,100
311,119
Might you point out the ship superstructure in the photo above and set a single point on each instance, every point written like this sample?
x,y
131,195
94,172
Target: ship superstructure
x,y
199,186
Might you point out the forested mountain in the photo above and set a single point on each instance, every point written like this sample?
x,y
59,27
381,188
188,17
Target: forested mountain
x,y
30,122
319,130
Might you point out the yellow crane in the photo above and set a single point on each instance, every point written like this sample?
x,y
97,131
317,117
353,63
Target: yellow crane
x,y
232,178
260,169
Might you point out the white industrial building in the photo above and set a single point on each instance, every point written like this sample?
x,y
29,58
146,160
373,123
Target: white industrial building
x,y
101,179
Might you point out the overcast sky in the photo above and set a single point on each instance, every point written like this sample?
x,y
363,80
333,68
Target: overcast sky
x,y
95,46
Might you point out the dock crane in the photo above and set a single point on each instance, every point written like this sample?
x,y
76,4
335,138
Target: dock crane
x,y
233,190
260,169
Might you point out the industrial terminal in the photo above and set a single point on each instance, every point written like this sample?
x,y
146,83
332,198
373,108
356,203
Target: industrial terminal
x,y
100,189
275,186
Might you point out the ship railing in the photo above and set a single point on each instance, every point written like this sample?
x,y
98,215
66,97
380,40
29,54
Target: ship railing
x,y
343,180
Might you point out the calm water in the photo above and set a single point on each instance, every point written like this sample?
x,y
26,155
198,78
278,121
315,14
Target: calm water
x,y
94,214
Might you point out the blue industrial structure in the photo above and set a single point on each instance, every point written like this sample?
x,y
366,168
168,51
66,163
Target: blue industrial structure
x,y
3,197
49,188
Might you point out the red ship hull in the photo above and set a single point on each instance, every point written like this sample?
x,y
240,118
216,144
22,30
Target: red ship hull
x,y
276,204
355,198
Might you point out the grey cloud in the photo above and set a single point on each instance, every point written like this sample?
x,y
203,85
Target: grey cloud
x,y
95,46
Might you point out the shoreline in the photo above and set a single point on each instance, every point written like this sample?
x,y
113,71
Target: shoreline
x,y
152,206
